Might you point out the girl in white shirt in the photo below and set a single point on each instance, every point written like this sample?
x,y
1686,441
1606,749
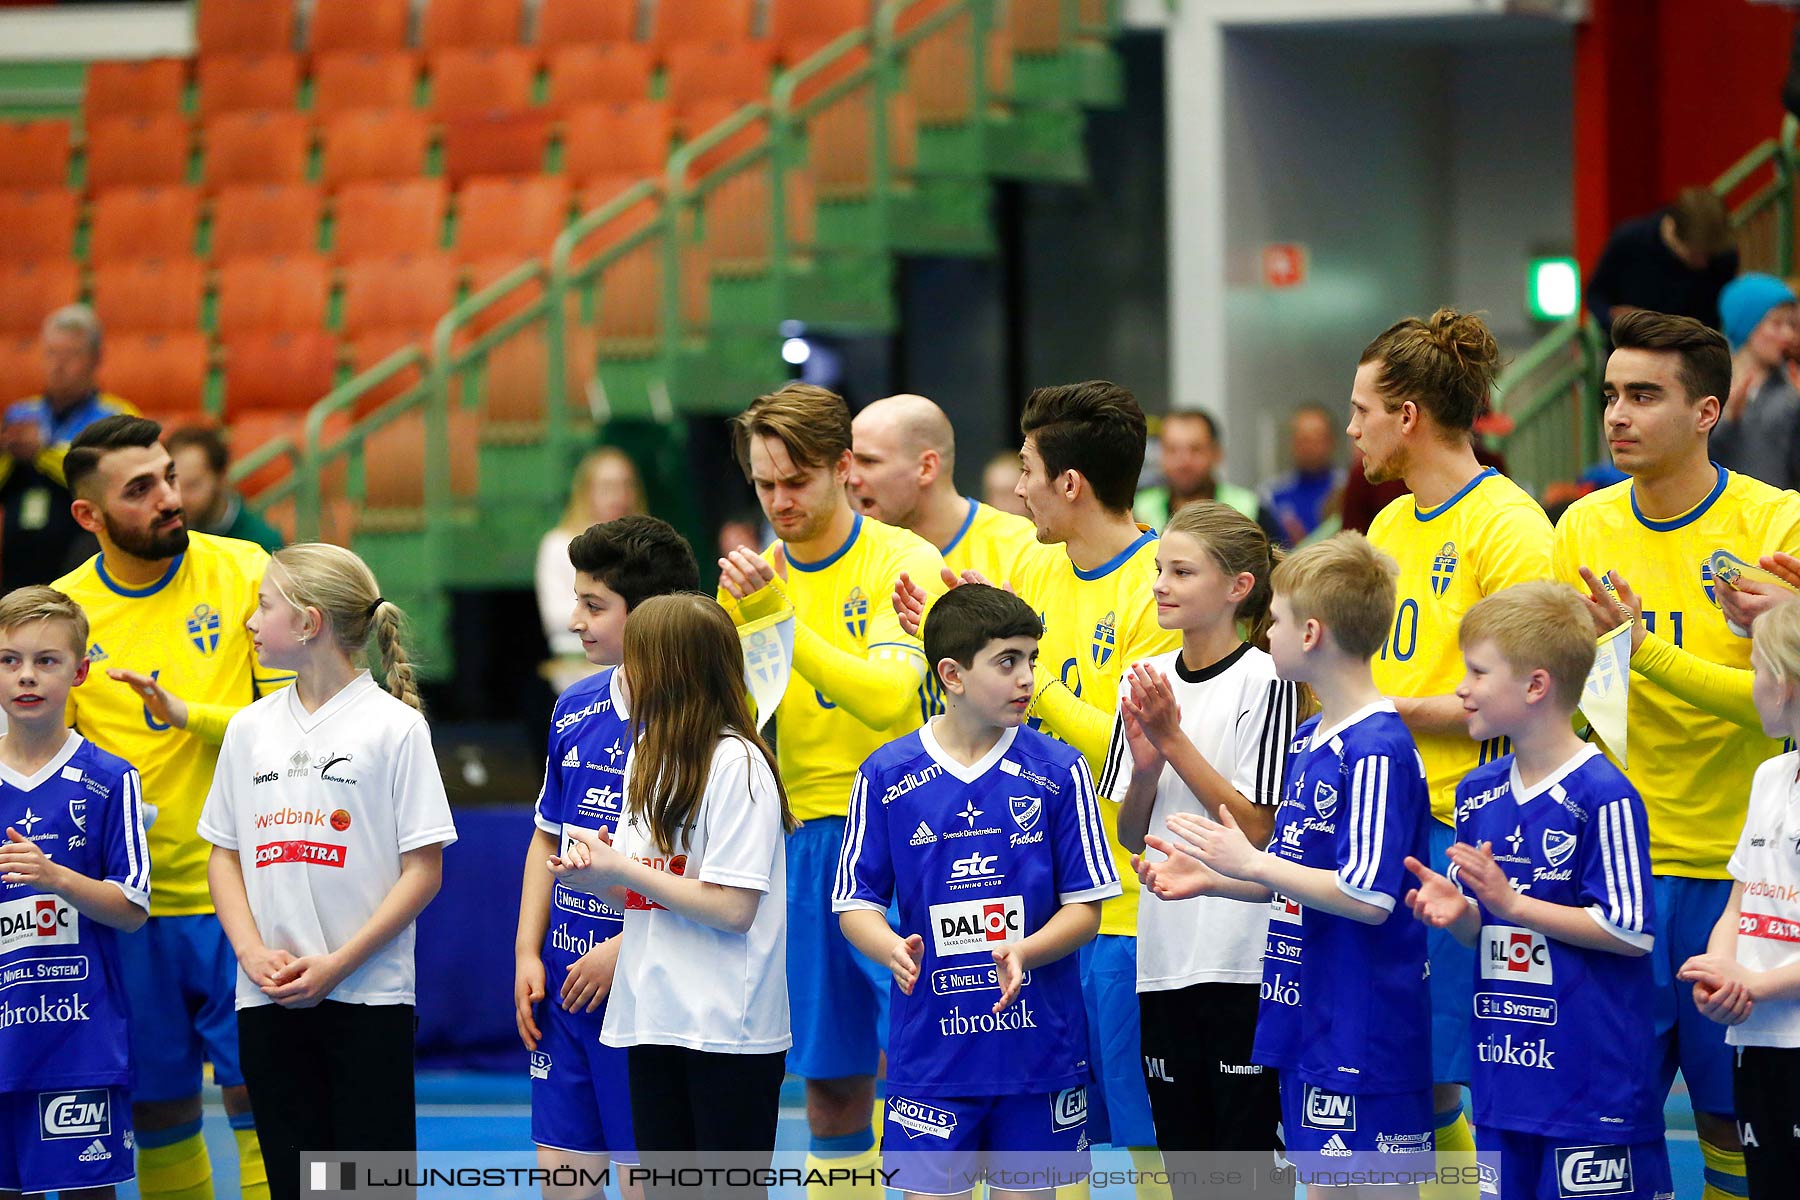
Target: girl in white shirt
x,y
1749,977
1204,728
328,821
698,865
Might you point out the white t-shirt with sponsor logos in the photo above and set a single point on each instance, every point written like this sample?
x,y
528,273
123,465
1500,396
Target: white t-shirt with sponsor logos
x,y
680,983
319,807
1767,863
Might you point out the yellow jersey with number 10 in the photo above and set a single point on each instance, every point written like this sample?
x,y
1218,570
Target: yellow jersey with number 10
x,y
1488,536
1692,768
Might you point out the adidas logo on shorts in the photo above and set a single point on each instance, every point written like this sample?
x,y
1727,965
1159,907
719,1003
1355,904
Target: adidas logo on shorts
x,y
922,836
572,758
1334,1147
97,1152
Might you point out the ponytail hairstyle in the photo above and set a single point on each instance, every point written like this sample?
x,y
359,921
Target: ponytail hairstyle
x,y
1239,546
343,589
1445,364
685,666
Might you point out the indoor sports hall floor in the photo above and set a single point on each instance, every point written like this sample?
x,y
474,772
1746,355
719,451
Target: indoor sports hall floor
x,y
468,1111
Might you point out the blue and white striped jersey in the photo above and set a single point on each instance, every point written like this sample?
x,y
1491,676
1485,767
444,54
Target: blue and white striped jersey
x,y
977,857
63,1010
1564,1040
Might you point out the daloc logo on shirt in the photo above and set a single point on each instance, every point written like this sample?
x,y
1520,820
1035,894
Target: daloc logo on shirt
x,y
203,628
1105,639
856,612
1443,569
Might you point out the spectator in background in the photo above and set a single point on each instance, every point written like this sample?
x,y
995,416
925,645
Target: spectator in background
x,y
1190,452
605,487
1756,431
1297,501
211,504
40,540
1676,261
741,531
998,479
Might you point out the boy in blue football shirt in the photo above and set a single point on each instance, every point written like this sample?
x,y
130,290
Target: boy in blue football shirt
x,y
1550,882
1345,1012
74,867
568,940
988,838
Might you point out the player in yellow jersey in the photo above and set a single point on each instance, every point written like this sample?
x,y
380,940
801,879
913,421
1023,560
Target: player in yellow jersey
x,y
857,684
167,611
1465,532
1664,384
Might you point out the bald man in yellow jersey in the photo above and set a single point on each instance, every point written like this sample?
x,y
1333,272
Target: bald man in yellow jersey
x,y
166,610
857,684
1465,532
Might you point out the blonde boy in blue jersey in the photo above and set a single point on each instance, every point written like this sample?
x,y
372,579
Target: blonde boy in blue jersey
x,y
1083,449
1691,756
857,684
1465,532
166,610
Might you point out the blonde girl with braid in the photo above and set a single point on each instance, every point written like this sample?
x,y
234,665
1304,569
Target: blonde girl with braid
x,y
328,821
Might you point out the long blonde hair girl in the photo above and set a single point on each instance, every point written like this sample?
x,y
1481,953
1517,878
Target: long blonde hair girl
x,y
343,589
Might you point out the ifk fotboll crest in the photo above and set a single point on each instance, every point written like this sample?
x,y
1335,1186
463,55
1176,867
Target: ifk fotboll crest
x,y
1106,638
1443,569
203,628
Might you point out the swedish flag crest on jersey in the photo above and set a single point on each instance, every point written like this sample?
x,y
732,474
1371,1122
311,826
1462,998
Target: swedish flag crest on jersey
x,y
1106,638
203,628
1443,569
1706,580
856,612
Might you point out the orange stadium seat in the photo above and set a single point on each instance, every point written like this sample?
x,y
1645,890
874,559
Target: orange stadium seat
x,y
34,154
701,73
289,369
358,25
676,21
705,114
613,73
400,449
520,218
346,81
141,151
259,294
481,79
252,220
244,26
382,220
388,293
250,432
256,147
471,23
37,223
161,373
149,295
129,89
568,22
799,27
21,366
155,222
31,291
247,83
373,346
497,143
611,140
374,143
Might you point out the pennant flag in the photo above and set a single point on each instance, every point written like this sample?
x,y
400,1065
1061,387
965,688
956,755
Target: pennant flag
x,y
1605,697
1728,569
768,660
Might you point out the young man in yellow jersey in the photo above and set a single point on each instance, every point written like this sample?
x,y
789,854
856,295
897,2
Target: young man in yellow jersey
x,y
1465,532
166,610
857,684
1664,384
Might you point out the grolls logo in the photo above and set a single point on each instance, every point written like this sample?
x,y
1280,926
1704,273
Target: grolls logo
x,y
37,921
674,864
1521,955
318,854
340,820
973,926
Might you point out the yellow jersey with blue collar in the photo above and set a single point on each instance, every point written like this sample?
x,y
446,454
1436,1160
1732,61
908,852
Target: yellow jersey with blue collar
x,y
1692,767
1096,624
1490,535
843,606
1001,546
187,630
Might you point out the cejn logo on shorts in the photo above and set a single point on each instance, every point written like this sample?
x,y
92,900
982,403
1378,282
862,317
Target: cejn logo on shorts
x,y
1521,955
974,926
37,921
82,1114
1328,1110
1593,1171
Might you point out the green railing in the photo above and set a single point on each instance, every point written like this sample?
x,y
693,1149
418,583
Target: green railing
x,y
1552,391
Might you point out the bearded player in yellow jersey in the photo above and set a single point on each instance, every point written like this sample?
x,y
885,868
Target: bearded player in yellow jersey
x,y
1465,532
857,684
1083,449
1650,539
167,610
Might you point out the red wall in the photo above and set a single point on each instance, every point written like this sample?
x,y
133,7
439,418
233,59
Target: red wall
x,y
1668,93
